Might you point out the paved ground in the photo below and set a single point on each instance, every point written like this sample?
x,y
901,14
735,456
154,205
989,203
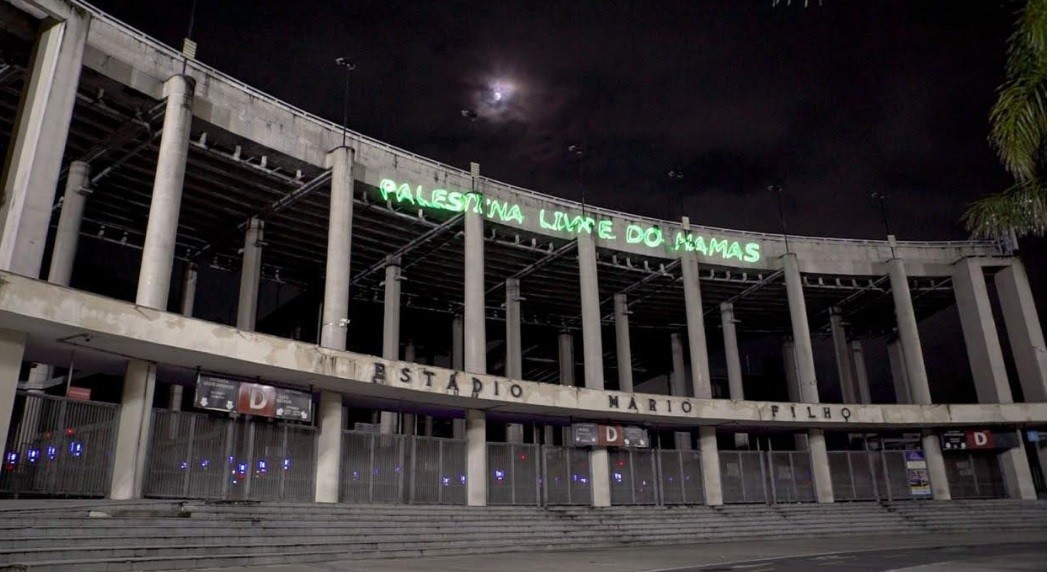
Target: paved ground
x,y
925,553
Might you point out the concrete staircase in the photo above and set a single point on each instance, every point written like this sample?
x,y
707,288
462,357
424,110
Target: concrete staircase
x,y
161,535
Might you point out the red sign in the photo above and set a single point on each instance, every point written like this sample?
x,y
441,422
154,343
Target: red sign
x,y
79,393
611,436
982,439
255,399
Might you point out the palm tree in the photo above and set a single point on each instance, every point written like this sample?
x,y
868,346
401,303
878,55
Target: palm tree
x,y
1017,133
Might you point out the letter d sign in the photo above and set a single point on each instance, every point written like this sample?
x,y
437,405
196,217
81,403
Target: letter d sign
x,y
611,434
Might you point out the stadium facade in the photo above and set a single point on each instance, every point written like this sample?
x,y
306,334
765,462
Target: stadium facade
x,y
404,331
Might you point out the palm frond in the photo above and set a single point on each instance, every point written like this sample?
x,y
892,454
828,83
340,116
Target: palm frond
x,y
1020,208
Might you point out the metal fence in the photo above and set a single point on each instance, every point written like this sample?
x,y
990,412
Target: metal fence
x,y
59,447
974,475
402,469
869,475
766,476
633,476
204,456
566,476
680,477
513,474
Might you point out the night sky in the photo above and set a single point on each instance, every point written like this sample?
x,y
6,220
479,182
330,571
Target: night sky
x,y
832,102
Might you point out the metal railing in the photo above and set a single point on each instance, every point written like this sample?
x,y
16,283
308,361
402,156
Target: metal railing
x,y
197,455
869,475
59,447
766,476
513,474
680,477
633,476
566,476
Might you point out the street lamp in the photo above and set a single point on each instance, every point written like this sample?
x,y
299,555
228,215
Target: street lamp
x,y
350,66
675,177
777,189
578,153
881,197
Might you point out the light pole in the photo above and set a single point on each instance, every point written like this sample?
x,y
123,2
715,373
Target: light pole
x,y
349,66
675,178
579,153
777,189
881,197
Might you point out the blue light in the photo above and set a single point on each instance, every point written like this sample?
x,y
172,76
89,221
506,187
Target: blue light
x,y
52,452
76,448
287,464
445,481
32,455
204,463
356,476
617,477
263,467
462,479
231,459
12,457
499,475
184,465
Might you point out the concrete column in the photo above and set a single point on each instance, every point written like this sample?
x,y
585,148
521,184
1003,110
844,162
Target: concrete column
x,y
862,382
340,234
711,477
842,354
329,446
132,436
677,382
987,363
592,352
700,365
250,274
1024,329
936,466
909,337
38,141
600,479
514,367
820,466
808,388
731,358
189,284
458,426
174,402
898,367
476,458
334,317
566,358
805,360
623,355
158,251
793,388
388,420
473,282
12,348
68,234
409,421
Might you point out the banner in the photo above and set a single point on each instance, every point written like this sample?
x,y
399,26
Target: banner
x,y
218,394
917,474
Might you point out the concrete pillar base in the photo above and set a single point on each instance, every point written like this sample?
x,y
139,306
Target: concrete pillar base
x,y
514,433
12,348
329,447
820,466
936,466
600,478
1015,468
711,476
132,438
476,458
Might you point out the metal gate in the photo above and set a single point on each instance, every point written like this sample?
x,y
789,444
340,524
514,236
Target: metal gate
x,y
197,455
633,476
59,447
402,469
513,474
869,475
974,475
766,476
566,476
680,477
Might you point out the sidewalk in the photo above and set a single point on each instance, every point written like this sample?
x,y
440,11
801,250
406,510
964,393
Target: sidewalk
x,y
654,558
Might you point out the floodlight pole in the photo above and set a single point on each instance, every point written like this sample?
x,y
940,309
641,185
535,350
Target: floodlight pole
x,y
782,216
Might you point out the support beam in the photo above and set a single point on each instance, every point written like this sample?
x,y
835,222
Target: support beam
x,y
711,476
624,357
475,340
566,358
541,263
599,477
1025,335
411,246
458,426
677,376
388,420
334,320
250,274
734,365
476,458
189,284
158,251
132,436
592,352
68,234
793,388
842,354
862,382
898,368
909,336
808,388
329,446
936,465
987,363
335,317
38,141
514,368
700,364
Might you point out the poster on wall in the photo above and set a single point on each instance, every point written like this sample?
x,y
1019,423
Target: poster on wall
x,y
216,393
917,474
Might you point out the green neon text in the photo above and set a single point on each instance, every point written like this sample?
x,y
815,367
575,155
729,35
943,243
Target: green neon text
x,y
565,222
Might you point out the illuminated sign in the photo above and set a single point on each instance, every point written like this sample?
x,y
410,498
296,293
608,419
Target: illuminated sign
x,y
651,236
